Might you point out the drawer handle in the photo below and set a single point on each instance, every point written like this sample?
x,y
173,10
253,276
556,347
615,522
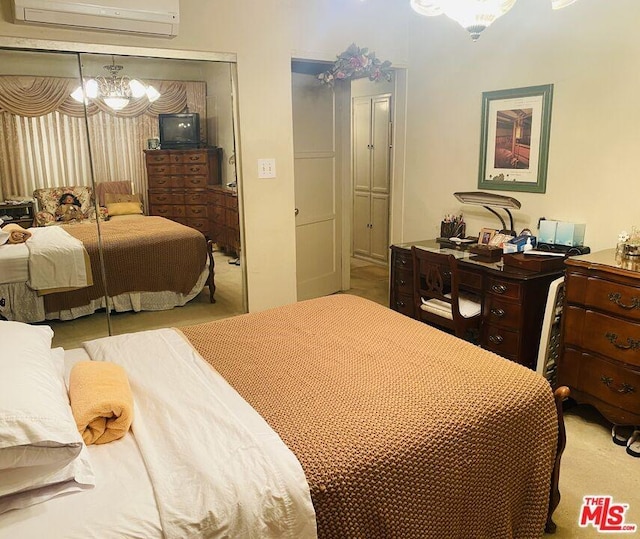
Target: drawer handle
x,y
499,288
622,388
400,282
497,312
615,297
158,158
400,303
496,339
633,344
194,158
196,211
403,261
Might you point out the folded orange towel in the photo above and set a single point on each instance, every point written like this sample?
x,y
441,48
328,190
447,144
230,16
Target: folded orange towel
x,y
101,401
17,234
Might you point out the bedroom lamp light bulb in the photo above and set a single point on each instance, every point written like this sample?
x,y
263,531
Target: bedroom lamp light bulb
x,y
152,94
115,102
137,88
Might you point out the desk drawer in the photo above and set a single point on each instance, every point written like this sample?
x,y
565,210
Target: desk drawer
x,y
504,288
502,312
403,281
402,259
501,341
470,280
403,303
609,382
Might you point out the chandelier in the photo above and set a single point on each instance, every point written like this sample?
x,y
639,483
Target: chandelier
x,y
114,90
473,15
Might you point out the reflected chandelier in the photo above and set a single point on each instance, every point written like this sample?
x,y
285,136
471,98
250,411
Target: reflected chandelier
x,y
113,89
473,15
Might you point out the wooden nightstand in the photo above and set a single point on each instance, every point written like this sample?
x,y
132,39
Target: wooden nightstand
x,y
20,213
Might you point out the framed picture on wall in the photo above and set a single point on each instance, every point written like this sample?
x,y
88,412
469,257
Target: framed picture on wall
x,y
514,139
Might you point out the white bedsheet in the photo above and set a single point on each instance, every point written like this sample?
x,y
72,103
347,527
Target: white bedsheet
x,y
14,263
56,259
217,468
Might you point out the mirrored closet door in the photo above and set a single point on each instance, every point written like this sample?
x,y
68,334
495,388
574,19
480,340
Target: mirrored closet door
x,y
45,156
162,139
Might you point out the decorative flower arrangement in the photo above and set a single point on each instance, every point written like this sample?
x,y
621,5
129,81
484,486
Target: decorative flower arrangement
x,y
629,244
356,63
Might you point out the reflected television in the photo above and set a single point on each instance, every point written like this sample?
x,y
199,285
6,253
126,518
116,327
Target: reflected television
x,y
179,131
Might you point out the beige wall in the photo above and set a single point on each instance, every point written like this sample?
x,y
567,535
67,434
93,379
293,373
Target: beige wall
x,y
590,52
264,36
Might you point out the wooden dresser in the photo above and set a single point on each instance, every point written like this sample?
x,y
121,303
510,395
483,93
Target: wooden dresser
x,y
179,181
224,221
600,355
513,300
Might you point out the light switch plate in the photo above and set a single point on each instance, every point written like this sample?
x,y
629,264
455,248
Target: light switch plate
x,y
266,168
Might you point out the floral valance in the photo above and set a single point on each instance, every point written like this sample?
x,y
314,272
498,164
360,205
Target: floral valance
x,y
356,63
38,96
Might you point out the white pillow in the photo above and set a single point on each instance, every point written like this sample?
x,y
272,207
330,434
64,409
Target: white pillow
x,y
37,429
51,481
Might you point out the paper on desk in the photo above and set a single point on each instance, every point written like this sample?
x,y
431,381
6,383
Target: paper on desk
x,y
543,253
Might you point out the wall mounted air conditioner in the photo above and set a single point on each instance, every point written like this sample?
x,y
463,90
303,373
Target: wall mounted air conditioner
x,y
159,18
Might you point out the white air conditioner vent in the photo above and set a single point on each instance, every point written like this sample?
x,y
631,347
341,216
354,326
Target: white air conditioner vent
x,y
148,17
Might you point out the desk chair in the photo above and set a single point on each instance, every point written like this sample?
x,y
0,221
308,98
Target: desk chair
x,y
436,295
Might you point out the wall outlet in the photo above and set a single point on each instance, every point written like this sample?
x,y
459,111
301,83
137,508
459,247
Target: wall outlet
x,y
266,168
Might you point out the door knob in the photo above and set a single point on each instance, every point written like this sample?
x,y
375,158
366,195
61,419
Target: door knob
x,y
296,211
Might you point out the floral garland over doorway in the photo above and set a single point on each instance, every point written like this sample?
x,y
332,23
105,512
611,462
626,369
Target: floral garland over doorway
x,y
356,63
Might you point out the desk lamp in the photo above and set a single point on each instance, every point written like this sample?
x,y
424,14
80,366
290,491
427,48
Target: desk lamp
x,y
490,201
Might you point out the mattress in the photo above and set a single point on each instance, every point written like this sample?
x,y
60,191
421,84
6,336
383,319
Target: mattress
x,y
14,263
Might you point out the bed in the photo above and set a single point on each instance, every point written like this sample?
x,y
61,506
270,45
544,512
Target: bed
x,y
370,425
151,263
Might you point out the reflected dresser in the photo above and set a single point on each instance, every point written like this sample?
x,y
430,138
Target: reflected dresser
x,y
600,355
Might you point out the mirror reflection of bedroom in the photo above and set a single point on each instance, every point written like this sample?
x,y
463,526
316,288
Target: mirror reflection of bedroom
x,y
149,185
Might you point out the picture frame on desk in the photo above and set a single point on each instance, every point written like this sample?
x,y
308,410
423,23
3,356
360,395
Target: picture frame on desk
x,y
514,139
485,236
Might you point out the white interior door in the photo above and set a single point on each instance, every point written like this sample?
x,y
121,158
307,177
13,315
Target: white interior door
x,y
317,193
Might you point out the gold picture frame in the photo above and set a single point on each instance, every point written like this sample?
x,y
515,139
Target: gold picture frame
x,y
485,236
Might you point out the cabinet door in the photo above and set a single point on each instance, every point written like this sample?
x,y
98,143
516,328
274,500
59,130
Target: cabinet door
x,y
362,143
380,142
379,226
361,223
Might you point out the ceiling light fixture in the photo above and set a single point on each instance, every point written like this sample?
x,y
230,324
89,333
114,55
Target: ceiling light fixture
x,y
473,15
115,90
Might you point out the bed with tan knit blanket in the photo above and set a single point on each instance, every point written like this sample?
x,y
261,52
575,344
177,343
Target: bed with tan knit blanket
x,y
333,418
402,430
151,263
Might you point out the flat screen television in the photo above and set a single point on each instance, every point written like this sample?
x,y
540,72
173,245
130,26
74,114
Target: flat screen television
x,y
180,130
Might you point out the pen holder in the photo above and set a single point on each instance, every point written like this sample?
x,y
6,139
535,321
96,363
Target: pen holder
x,y
452,229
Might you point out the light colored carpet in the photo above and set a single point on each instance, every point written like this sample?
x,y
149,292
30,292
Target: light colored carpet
x,y
592,464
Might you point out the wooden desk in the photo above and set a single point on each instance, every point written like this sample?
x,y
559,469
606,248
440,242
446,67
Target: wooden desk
x,y
513,299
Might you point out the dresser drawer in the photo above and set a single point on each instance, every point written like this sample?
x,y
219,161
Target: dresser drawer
x,y
231,201
179,210
160,170
602,334
199,224
197,211
176,182
403,281
195,182
615,298
502,341
159,181
504,288
218,214
609,382
161,210
163,197
160,158
191,169
502,312
194,157
199,197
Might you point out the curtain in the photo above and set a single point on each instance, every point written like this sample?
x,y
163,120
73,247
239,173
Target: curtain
x,y
43,140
